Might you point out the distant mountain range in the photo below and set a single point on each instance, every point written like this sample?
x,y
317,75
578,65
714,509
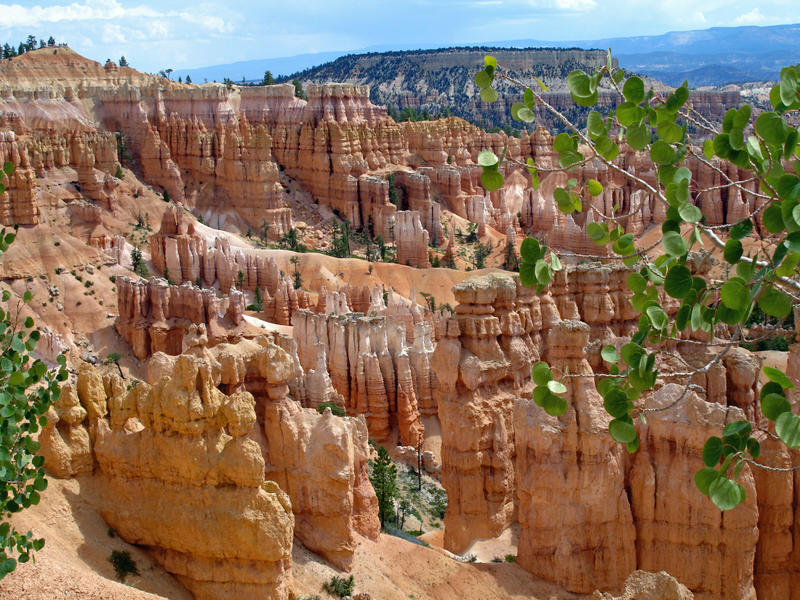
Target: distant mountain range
x,y
714,56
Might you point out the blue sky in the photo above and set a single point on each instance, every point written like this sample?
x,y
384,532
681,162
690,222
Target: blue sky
x,y
155,35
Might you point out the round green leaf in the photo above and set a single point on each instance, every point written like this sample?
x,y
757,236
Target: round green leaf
x,y
770,126
712,451
733,251
7,566
633,90
527,276
540,394
520,112
704,478
674,244
563,143
541,373
775,303
491,180
778,377
754,448
556,387
788,187
616,403
487,158
595,231
638,136
629,114
735,294
483,79
622,431
773,219
609,354
678,282
595,187
636,282
690,213
771,388
554,405
773,405
581,88
787,426
530,250
725,493
737,428
657,317
662,153
595,125
488,94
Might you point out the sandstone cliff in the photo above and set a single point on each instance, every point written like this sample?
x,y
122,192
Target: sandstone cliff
x,y
180,473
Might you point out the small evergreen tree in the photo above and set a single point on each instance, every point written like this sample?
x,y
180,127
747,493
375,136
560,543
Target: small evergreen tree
x,y
298,89
188,79
340,246
383,477
268,78
136,258
381,246
51,41
511,262
258,301
113,359
479,256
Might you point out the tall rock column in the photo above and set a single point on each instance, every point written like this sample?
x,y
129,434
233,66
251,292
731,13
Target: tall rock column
x,y
476,416
574,511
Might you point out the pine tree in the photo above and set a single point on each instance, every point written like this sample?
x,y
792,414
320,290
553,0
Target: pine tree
x,y
298,89
268,78
383,477
188,79
123,62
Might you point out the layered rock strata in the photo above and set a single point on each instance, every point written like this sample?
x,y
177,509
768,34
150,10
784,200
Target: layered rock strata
x,y
179,473
577,494
372,366
155,316
320,460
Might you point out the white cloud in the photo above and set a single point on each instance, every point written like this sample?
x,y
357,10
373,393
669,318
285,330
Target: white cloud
x,y
575,5
751,18
15,15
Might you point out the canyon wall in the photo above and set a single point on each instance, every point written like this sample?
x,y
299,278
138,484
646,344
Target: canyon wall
x,y
590,513
219,152
155,316
179,473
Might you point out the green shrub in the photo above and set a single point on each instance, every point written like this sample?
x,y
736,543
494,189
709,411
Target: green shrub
x,y
511,558
339,586
335,409
123,564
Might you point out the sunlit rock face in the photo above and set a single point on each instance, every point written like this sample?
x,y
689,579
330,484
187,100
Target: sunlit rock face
x,y
589,512
179,473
